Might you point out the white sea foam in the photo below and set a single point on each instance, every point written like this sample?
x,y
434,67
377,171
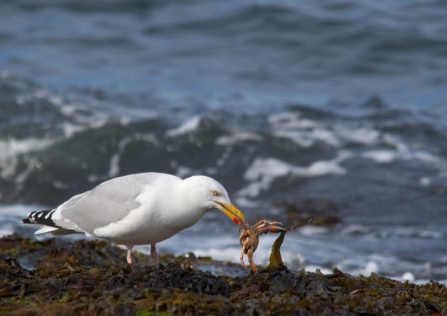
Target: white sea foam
x,y
395,142
20,100
41,93
300,138
263,171
303,132
312,231
408,276
11,148
241,201
381,156
425,181
366,136
355,230
224,254
94,178
371,267
188,126
229,140
224,157
71,129
292,120
183,172
21,177
125,121
314,268
68,109
11,216
388,156
114,168
426,157
307,139
307,133
326,136
56,100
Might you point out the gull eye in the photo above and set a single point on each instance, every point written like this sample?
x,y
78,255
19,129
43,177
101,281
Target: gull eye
x,y
214,192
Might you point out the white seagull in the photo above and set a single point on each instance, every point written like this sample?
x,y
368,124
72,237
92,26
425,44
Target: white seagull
x,y
137,209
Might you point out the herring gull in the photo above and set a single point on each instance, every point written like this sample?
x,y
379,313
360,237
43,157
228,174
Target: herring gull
x,y
137,209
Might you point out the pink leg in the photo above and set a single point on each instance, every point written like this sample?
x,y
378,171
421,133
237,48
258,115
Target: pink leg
x,y
130,257
154,254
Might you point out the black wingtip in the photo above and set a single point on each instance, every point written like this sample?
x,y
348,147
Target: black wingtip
x,y
26,221
40,218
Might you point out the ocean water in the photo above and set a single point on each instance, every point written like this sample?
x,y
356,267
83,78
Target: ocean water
x,y
340,103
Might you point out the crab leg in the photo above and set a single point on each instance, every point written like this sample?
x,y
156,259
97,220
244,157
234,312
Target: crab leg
x,y
270,229
263,223
243,225
260,223
242,256
250,259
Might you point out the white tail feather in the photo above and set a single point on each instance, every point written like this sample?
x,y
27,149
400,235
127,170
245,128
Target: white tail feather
x,y
46,229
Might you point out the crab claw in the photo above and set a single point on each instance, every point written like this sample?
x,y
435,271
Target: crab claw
x,y
270,229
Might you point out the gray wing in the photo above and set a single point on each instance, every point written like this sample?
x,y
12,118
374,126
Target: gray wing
x,y
108,203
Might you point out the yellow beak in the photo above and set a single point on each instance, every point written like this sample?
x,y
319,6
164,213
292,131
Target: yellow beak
x,y
232,212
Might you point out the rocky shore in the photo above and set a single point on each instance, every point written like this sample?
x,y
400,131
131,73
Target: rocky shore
x,y
56,277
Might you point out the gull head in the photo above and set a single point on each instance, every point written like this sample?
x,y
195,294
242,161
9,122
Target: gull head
x,y
209,194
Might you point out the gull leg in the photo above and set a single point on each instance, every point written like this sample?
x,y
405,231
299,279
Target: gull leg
x,y
154,254
130,257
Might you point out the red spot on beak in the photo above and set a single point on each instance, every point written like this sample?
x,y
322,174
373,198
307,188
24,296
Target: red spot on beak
x,y
235,220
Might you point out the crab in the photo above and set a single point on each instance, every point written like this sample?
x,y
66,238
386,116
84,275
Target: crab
x,y
249,238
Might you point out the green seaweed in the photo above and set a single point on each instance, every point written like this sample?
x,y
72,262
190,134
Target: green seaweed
x,y
275,261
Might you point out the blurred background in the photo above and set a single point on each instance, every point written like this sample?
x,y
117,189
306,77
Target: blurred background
x,y
332,110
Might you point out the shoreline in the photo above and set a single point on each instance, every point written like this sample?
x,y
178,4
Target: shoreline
x,y
92,277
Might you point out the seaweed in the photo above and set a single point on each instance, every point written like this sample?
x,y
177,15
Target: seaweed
x,y
275,260
88,277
